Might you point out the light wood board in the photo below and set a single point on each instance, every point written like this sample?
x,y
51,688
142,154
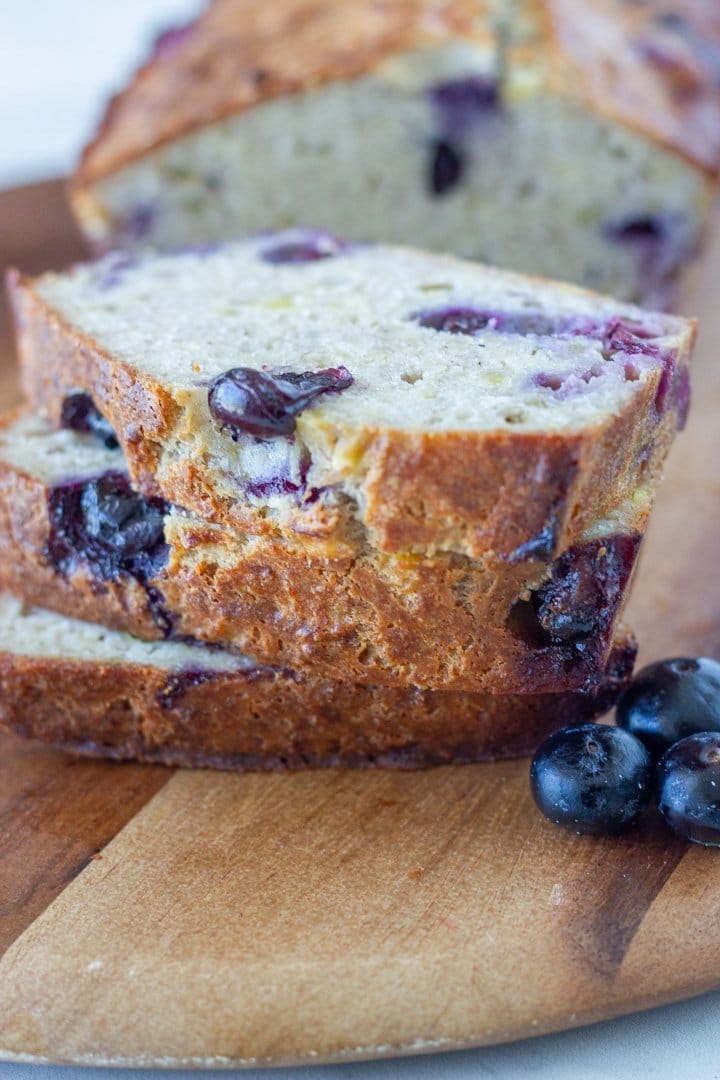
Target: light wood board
x,y
151,916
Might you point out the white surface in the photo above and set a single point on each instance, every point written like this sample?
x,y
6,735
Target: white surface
x,y
58,60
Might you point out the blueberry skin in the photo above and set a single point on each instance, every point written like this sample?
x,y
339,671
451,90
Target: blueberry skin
x,y
592,779
264,405
670,700
688,788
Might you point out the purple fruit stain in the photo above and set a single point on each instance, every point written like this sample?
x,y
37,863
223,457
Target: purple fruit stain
x,y
662,244
282,484
673,390
305,248
179,682
79,413
460,105
138,224
473,320
169,41
112,268
628,345
682,397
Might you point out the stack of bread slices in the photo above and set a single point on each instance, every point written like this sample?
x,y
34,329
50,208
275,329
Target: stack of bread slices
x,y
307,498
293,501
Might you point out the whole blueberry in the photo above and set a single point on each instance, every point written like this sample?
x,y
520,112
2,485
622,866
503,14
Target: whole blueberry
x,y
265,405
688,788
671,699
592,779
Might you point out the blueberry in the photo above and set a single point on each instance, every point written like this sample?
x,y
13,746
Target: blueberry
x,y
472,320
446,167
688,788
460,105
79,413
671,699
309,247
250,402
592,779
647,228
118,519
103,523
580,598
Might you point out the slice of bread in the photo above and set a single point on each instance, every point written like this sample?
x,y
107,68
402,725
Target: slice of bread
x,y
77,539
292,384
577,140
103,693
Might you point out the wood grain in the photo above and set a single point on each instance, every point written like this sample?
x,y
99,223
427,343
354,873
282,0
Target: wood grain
x,y
36,233
328,916
57,813
275,919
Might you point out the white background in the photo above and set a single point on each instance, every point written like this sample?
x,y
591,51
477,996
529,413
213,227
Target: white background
x,y
59,59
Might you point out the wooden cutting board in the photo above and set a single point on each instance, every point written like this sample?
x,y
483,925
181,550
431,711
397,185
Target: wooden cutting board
x,y
151,916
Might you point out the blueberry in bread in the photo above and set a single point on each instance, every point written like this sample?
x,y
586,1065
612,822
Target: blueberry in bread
x,y
103,693
294,385
575,140
76,538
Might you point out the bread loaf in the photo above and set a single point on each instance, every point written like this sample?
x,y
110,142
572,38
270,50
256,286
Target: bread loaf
x,y
576,140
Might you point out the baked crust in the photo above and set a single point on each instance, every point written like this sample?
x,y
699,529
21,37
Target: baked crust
x,y
266,719
240,53
341,611
481,494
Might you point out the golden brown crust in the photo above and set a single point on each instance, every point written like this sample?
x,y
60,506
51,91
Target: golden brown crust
x,y
617,60
275,720
339,611
440,622
240,53
476,493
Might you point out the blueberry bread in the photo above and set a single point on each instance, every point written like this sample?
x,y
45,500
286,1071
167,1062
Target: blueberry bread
x,y
103,693
574,140
76,538
294,384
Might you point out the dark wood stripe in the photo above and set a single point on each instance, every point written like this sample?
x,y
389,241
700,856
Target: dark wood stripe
x,y
615,882
56,813
37,233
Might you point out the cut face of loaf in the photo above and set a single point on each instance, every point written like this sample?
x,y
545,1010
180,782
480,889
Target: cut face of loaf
x,y
76,538
100,692
293,384
576,140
